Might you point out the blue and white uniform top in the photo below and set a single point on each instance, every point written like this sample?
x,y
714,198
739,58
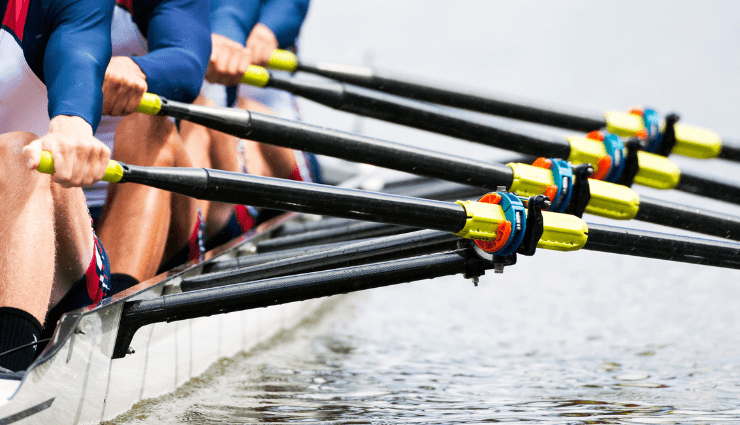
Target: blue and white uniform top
x,y
53,55
170,40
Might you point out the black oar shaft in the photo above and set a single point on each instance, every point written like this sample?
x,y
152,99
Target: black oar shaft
x,y
413,88
604,238
314,139
703,186
380,249
348,146
435,119
662,246
288,195
260,258
730,152
424,117
354,231
689,218
282,290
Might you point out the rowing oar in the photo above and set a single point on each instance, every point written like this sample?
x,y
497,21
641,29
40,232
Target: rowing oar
x,y
689,141
500,228
425,242
607,152
500,223
606,199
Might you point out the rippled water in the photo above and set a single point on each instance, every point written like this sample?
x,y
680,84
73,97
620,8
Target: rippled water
x,y
656,348
560,337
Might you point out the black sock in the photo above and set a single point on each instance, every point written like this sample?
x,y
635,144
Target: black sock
x,y
121,281
17,327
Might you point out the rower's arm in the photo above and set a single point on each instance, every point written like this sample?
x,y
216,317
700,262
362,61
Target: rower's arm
x,y
234,18
179,40
284,18
77,54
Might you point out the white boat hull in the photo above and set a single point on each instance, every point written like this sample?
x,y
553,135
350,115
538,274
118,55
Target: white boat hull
x,y
76,382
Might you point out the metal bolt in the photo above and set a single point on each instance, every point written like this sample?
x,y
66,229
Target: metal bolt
x,y
130,350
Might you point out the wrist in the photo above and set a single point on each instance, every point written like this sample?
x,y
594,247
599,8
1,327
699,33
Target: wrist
x,y
70,123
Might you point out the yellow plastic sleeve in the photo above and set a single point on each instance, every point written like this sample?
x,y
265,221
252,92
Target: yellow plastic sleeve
x,y
623,123
256,76
656,171
482,220
562,232
150,104
584,150
283,60
113,172
529,180
612,201
696,142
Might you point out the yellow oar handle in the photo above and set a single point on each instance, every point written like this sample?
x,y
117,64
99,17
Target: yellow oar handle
x,y
113,173
283,60
150,104
256,76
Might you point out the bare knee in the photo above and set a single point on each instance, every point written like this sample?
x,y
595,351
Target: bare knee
x,y
147,140
14,173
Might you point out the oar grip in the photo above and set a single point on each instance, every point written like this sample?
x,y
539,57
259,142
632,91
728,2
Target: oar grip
x,y
256,76
283,60
113,173
150,104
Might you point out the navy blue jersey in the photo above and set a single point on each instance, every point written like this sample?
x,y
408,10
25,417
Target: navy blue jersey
x,y
178,36
236,18
66,43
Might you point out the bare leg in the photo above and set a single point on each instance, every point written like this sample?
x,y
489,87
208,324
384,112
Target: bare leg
x,y
27,251
183,216
211,149
263,159
74,238
135,223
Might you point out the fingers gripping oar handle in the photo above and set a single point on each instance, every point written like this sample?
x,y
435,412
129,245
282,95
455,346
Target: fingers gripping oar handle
x,y
113,172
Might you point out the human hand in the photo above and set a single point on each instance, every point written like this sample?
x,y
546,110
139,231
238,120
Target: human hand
x,y
229,61
79,158
123,87
260,44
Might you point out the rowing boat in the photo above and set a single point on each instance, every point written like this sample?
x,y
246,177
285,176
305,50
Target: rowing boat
x,y
76,380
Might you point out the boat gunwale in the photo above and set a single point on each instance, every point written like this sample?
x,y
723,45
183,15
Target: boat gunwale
x,y
68,323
